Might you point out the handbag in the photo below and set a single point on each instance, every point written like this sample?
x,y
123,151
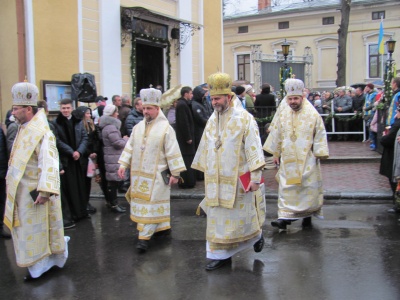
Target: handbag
x,y
91,168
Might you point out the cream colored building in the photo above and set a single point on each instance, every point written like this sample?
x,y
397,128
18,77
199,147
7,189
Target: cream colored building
x,y
48,41
252,41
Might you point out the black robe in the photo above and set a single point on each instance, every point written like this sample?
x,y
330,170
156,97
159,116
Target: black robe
x,y
72,137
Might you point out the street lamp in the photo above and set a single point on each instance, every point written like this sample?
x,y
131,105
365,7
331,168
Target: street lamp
x,y
285,71
390,47
389,72
285,51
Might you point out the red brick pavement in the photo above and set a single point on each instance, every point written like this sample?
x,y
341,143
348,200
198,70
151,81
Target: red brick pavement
x,y
343,177
351,149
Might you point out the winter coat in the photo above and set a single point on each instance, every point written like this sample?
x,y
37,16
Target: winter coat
x,y
113,143
3,156
200,119
344,102
123,113
265,104
132,119
358,103
185,127
387,141
64,147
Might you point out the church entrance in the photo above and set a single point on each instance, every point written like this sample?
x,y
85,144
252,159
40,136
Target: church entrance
x,y
149,65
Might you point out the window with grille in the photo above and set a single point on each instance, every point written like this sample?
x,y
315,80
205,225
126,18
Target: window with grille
x,y
377,15
243,29
328,21
243,67
376,61
283,25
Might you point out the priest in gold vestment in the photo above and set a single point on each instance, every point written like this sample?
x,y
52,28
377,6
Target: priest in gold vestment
x,y
230,147
33,207
151,151
297,141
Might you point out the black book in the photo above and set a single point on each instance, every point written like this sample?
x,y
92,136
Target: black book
x,y
166,174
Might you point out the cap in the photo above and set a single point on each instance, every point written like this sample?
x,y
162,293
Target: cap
x,y
109,110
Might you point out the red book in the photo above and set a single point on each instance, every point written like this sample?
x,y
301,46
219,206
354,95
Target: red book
x,y
245,180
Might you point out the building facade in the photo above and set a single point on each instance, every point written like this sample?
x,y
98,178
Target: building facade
x,y
253,40
126,44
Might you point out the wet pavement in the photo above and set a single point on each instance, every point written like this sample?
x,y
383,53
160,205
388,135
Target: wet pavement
x,y
352,254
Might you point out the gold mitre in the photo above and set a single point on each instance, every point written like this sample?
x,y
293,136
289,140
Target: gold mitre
x,y
24,93
219,84
294,87
150,96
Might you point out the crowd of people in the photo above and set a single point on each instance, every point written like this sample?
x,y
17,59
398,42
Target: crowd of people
x,y
179,137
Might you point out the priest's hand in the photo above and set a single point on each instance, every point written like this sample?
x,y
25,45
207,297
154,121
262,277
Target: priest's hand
x,y
173,180
41,200
121,172
253,187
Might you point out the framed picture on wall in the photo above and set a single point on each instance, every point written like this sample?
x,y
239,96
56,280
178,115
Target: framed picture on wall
x,y
54,91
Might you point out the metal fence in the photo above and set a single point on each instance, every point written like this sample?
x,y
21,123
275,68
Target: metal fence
x,y
266,113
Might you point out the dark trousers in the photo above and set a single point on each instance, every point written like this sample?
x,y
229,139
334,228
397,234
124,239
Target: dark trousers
x,y
112,192
2,200
341,125
189,176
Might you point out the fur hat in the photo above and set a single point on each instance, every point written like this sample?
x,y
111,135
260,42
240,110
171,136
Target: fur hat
x,y
109,110
24,93
219,84
294,87
150,96
248,88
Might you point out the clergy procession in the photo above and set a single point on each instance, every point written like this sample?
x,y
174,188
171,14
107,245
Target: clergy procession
x,y
47,182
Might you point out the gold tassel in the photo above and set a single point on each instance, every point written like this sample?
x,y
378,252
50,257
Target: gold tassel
x,y
198,210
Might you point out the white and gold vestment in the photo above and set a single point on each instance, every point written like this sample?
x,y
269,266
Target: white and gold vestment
x,y
299,139
37,230
151,149
231,146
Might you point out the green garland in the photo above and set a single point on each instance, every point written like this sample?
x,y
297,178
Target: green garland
x,y
133,58
264,120
346,119
389,74
284,73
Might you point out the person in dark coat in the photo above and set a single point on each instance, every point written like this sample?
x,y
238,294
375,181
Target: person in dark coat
x,y
265,102
114,144
387,141
358,104
200,117
84,113
3,172
134,117
185,136
71,144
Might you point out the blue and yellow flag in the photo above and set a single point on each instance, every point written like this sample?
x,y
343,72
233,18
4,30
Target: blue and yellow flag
x,y
381,44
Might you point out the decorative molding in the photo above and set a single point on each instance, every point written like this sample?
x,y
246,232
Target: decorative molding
x,y
277,44
326,38
373,34
233,48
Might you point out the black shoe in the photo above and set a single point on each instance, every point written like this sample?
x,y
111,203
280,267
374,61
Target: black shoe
x,y
69,225
259,245
281,224
118,209
4,234
28,277
90,209
162,233
217,263
306,223
142,246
